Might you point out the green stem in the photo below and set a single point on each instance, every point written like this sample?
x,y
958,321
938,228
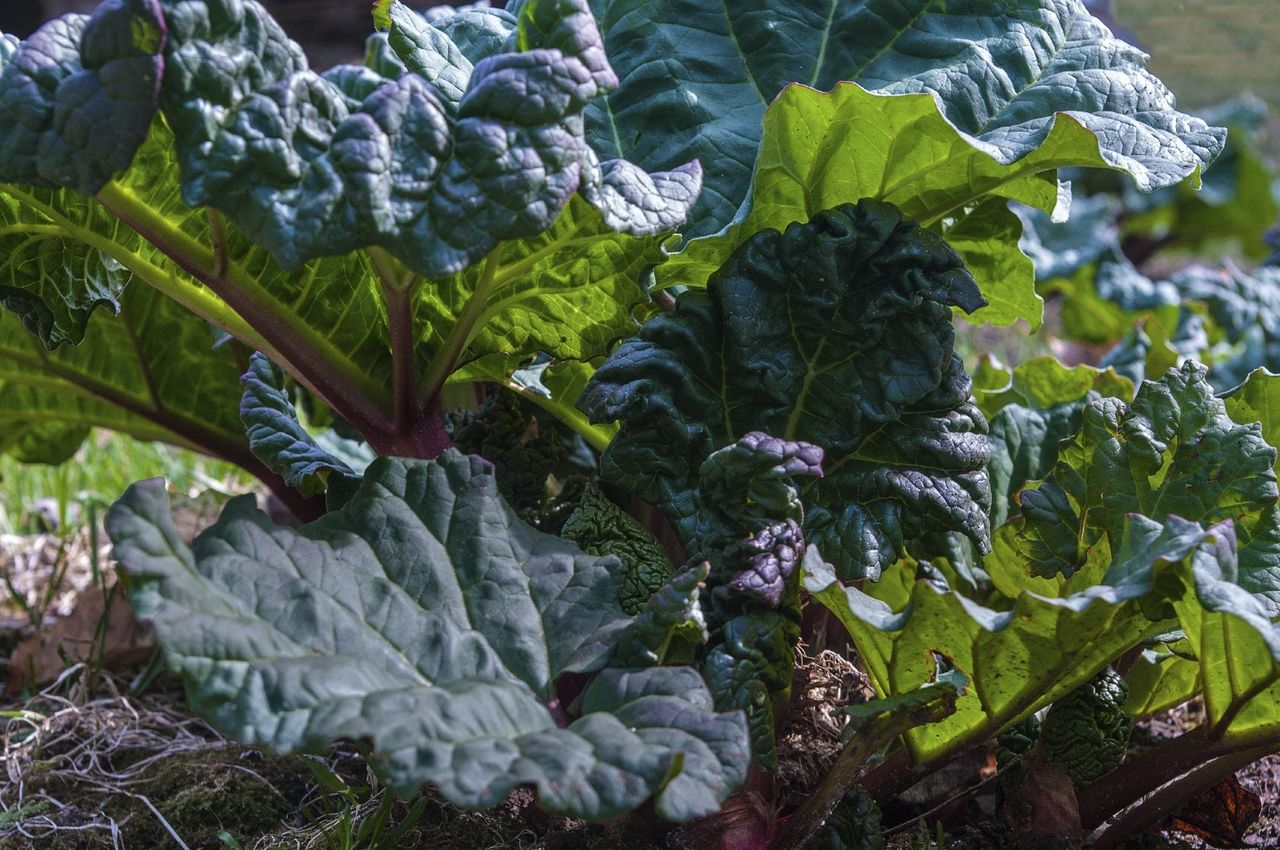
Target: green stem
x,y
300,349
442,365
597,436
194,298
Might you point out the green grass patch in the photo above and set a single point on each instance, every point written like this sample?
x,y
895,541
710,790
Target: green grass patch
x,y
105,465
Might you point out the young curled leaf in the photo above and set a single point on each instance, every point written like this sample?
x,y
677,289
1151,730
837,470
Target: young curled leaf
x,y
836,333
763,564
602,528
278,439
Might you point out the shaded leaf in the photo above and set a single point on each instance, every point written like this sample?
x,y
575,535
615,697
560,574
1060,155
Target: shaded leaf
x,y
438,646
278,439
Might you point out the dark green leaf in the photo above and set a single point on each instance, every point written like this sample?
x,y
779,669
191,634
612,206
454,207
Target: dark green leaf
x,y
278,439
835,333
1174,451
602,528
79,95
437,166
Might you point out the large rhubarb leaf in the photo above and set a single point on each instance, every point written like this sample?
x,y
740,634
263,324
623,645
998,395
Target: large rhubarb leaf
x,y
155,372
441,643
996,95
697,77
1043,646
79,95
836,333
568,291
436,165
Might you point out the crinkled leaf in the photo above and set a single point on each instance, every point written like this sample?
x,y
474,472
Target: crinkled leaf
x,y
1258,400
748,666
440,643
602,528
836,333
437,166
1024,448
994,99
278,439
570,291
669,626
1174,451
762,565
1004,83
79,95
749,482
1033,408
1044,646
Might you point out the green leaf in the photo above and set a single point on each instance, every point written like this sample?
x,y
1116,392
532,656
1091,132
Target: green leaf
x,y
1237,202
1230,631
278,439
992,100
79,95
1014,88
1043,646
602,528
437,645
1257,400
437,165
570,292
333,305
835,333
1174,451
987,237
52,283
1161,679
1033,408
1042,382
670,625
155,372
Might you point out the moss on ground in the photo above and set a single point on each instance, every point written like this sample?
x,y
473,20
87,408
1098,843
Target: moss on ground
x,y
199,794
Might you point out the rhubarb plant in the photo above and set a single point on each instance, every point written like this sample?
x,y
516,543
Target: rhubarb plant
x,y
603,350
